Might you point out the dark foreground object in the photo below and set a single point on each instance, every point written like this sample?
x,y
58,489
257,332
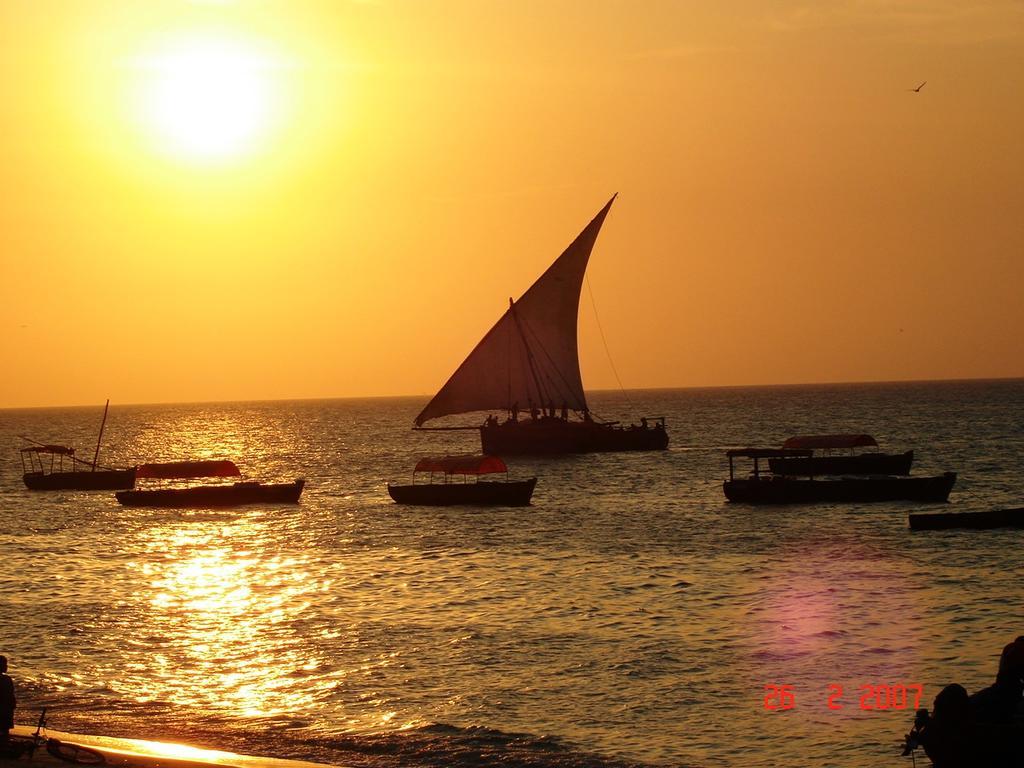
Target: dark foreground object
x,y
558,436
515,493
100,480
859,464
215,495
788,490
995,518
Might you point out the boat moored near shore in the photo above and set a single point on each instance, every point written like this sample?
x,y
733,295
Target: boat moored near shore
x,y
983,520
451,492
762,488
226,495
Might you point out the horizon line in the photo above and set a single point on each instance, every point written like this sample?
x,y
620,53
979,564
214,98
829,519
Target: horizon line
x,y
631,389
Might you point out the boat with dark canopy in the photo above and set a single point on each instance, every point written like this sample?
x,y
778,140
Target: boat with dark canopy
x,y
837,455
527,366
41,474
768,488
77,475
450,492
225,495
983,520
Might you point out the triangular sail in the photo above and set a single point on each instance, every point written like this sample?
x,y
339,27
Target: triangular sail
x,y
529,358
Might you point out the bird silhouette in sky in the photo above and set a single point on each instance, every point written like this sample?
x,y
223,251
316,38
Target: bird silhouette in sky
x,y
918,89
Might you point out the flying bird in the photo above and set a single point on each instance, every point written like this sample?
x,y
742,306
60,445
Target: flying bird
x,y
918,89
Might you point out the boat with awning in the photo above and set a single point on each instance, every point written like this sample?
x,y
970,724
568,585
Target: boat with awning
x,y
50,467
527,367
840,454
222,495
448,483
760,487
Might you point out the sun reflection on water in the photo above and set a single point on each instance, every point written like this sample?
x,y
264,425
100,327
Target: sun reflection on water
x,y
228,614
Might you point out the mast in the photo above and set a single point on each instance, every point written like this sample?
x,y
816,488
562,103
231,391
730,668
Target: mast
x,y
529,354
96,456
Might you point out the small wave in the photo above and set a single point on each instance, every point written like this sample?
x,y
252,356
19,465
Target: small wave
x,y
439,744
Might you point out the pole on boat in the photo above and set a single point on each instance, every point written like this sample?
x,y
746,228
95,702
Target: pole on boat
x,y
96,456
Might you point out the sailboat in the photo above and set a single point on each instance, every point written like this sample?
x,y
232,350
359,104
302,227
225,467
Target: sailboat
x,y
527,366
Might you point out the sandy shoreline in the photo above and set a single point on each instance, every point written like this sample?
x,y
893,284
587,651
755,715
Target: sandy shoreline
x,y
138,753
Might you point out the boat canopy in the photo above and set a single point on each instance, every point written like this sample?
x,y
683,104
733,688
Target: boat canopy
x,y
769,453
462,465
830,441
180,469
530,357
60,450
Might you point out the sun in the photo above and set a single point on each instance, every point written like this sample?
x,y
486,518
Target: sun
x,y
209,98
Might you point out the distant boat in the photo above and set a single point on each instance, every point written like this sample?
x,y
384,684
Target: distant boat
x,y
450,491
41,475
528,366
993,518
846,463
761,488
231,495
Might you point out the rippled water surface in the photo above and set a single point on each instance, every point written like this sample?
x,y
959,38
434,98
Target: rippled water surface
x,y
629,616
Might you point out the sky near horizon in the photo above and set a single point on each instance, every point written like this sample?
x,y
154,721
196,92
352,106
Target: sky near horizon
x,y
258,200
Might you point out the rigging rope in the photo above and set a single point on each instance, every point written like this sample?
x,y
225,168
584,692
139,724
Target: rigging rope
x,y
604,341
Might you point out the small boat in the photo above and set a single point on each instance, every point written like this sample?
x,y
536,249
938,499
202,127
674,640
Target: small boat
x,y
40,475
993,518
448,492
767,488
838,457
528,367
226,495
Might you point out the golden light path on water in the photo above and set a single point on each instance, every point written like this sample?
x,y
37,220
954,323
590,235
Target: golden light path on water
x,y
221,599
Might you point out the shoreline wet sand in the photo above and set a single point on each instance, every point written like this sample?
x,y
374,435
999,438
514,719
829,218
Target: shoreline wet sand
x,y
141,753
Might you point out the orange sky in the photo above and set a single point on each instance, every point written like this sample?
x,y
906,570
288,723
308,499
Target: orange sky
x,y
788,210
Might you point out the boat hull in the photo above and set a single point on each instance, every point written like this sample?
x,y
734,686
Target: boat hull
x,y
100,480
558,436
214,495
995,518
786,490
860,464
516,493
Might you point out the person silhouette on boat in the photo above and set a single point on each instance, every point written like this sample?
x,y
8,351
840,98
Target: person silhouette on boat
x,y
7,702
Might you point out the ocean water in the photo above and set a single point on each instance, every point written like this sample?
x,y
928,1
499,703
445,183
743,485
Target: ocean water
x,y
629,617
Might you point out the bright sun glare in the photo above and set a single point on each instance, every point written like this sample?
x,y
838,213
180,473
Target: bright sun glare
x,y
209,98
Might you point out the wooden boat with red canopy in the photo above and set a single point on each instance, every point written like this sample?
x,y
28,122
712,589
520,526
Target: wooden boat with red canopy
x,y
448,491
837,455
210,495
